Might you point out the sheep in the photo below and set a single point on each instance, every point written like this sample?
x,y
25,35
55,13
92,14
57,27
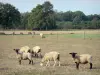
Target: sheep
x,y
24,49
82,59
21,33
51,56
29,33
42,35
24,56
36,50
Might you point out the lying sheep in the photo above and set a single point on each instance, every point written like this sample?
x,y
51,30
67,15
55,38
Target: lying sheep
x,y
82,59
51,56
24,56
36,50
24,49
42,35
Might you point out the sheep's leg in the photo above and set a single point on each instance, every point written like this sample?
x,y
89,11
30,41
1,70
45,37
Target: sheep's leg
x,y
54,62
37,55
91,65
29,61
47,63
40,55
32,62
77,65
59,63
20,62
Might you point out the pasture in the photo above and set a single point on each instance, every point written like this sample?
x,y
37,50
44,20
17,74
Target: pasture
x,y
63,42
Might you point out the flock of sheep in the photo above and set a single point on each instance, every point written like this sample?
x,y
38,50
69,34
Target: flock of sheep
x,y
25,53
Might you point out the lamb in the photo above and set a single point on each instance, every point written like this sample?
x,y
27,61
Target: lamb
x,y
51,56
36,50
82,59
42,35
24,56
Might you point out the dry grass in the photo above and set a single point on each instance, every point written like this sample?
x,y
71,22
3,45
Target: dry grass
x,y
9,64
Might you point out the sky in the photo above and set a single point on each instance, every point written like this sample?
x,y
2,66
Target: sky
x,y
86,6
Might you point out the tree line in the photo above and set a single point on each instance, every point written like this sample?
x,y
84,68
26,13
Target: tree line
x,y
44,17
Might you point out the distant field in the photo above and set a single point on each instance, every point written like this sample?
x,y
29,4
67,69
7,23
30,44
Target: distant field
x,y
55,32
63,42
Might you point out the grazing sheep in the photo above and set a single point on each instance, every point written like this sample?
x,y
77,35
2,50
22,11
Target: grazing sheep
x,y
21,33
36,50
82,59
24,49
24,56
51,56
42,35
29,33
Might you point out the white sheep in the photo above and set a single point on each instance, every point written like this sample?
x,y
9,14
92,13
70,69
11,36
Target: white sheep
x,y
24,56
82,59
51,56
36,50
42,35
24,49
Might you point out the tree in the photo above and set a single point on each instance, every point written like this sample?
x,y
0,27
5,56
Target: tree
x,y
77,20
80,14
49,16
36,18
42,17
68,16
94,23
59,16
24,20
9,16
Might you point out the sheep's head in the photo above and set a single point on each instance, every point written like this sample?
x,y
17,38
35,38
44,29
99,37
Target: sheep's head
x,y
42,61
73,54
39,50
16,50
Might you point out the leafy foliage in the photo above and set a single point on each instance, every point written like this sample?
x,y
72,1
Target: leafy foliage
x,y
24,20
9,16
43,17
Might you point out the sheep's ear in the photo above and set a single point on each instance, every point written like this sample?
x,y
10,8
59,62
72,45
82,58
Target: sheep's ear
x,y
14,49
75,53
70,53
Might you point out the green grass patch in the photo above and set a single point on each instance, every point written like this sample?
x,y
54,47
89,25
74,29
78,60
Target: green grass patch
x,y
82,35
76,35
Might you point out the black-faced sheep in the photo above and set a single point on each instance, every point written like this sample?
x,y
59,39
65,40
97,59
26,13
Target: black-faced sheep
x,y
24,56
51,56
82,59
